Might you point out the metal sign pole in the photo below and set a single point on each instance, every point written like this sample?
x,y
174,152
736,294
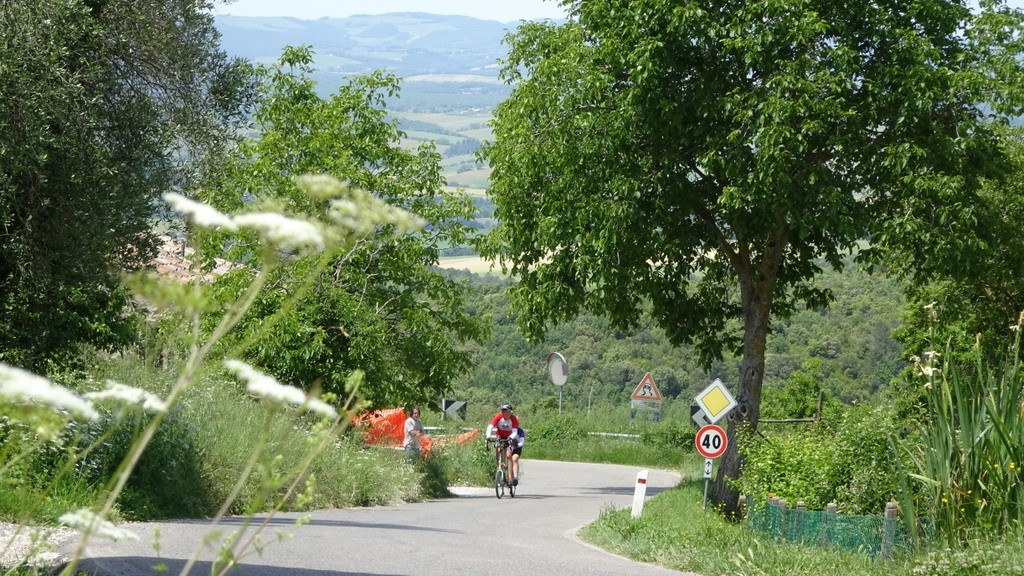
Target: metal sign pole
x,y
708,466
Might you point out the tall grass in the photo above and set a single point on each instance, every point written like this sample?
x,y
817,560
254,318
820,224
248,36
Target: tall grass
x,y
971,449
199,450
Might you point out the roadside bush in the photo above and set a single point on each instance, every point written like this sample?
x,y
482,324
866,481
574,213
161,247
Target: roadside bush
x,y
171,480
38,478
868,465
795,465
850,461
669,434
559,428
456,465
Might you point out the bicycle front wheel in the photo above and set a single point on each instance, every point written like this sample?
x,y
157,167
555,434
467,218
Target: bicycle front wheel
x,y
499,483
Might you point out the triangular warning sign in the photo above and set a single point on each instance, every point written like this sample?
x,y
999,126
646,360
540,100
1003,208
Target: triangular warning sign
x,y
647,390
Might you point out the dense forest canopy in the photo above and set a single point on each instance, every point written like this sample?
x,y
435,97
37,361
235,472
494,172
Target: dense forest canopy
x,y
847,348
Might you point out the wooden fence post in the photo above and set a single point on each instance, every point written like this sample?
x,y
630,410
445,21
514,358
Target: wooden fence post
x,y
780,503
774,513
828,531
796,530
889,529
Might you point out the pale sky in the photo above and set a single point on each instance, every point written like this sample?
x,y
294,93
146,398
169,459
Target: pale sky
x,y
499,10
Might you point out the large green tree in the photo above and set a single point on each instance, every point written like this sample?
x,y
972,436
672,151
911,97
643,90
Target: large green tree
x,y
969,295
103,106
384,307
700,160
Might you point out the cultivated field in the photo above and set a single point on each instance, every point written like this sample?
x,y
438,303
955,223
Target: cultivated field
x,y
474,264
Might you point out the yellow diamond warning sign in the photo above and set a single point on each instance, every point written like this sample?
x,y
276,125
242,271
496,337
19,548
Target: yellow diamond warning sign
x,y
647,390
716,401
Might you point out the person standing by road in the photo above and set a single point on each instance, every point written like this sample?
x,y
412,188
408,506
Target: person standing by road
x,y
505,426
413,433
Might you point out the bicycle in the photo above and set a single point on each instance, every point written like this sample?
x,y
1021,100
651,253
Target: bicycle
x,y
501,473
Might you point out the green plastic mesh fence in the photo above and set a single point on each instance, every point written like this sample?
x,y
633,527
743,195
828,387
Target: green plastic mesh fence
x,y
874,535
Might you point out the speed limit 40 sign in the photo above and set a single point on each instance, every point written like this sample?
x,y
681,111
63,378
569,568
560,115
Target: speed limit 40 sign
x,y
711,441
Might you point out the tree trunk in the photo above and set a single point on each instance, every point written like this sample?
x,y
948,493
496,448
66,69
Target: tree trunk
x,y
756,294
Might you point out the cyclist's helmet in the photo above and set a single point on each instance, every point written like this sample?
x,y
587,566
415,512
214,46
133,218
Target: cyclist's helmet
x,y
506,406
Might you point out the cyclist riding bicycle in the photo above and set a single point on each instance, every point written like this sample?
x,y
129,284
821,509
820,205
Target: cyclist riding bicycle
x,y
505,426
516,445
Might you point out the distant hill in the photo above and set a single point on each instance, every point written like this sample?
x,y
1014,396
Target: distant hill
x,y
448,63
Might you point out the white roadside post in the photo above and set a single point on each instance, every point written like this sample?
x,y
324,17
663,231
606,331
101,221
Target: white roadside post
x,y
639,493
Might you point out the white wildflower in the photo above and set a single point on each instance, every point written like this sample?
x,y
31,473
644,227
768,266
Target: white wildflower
x,y
321,186
202,215
25,387
267,387
87,521
281,231
362,212
354,211
346,214
930,306
322,408
264,386
129,395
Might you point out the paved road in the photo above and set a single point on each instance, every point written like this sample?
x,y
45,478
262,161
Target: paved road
x,y
467,535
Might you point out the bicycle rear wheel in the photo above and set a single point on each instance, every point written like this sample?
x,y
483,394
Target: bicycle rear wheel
x,y
499,483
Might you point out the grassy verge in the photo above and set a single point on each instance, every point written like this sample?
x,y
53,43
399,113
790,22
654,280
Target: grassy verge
x,y
196,460
678,532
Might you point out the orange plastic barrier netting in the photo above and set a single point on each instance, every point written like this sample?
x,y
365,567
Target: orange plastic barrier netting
x,y
385,427
466,436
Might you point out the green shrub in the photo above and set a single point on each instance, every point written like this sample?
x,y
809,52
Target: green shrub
x,y
797,465
40,478
560,428
669,434
850,461
868,467
171,479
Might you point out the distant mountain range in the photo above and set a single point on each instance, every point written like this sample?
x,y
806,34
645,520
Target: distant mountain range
x,y
447,62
